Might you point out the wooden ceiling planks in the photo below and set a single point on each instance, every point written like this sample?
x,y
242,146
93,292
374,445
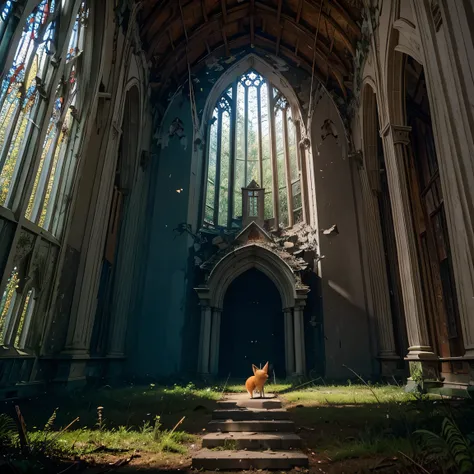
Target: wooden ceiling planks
x,y
200,28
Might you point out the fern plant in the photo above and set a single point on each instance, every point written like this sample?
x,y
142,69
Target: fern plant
x,y
8,429
451,450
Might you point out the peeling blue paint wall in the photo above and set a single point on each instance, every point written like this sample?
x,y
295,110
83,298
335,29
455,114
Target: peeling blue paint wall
x,y
157,348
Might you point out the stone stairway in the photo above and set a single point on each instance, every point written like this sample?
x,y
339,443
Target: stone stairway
x,y
250,434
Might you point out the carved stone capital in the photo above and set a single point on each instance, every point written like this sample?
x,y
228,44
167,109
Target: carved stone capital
x,y
400,133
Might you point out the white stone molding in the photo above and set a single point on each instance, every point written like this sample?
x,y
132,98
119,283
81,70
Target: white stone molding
x,y
396,138
300,355
289,341
212,293
215,341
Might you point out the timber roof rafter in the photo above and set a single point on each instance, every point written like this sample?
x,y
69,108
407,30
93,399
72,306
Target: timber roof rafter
x,y
174,32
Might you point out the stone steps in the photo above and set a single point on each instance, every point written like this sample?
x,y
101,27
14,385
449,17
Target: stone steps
x,y
237,460
246,414
264,426
252,441
250,434
256,403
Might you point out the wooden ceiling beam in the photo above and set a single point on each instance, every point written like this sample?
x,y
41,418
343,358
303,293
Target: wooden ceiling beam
x,y
340,10
239,12
302,32
152,16
252,22
183,21
224,39
215,23
224,10
298,12
223,26
279,26
204,11
332,22
240,41
258,6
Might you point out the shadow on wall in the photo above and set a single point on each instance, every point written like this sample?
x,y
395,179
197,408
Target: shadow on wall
x,y
346,319
346,338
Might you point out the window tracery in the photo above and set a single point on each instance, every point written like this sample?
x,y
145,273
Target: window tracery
x,y
23,91
41,96
252,136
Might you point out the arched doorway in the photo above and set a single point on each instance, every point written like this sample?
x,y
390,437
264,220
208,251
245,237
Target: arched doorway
x,y
430,219
252,326
291,301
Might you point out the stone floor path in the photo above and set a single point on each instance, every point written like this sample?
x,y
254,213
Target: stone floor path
x,y
250,434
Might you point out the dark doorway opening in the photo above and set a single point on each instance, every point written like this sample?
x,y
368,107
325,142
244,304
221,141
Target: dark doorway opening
x,y
252,327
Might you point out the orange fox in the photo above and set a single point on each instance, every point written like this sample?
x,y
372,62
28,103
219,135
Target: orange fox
x,y
257,381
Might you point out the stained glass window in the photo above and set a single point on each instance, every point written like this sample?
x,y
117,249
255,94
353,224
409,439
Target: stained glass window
x,y
19,94
252,136
46,205
7,304
24,320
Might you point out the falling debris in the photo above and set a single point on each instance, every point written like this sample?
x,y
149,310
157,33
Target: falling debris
x,y
333,230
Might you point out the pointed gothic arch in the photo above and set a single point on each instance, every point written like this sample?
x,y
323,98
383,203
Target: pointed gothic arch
x,y
252,121
293,295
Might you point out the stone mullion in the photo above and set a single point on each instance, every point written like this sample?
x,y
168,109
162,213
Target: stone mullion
x,y
396,138
246,137
232,164
377,269
259,140
217,180
303,172
271,117
289,189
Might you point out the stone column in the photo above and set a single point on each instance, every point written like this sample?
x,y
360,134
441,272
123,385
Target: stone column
x,y
299,341
378,270
215,341
396,139
448,56
205,340
289,342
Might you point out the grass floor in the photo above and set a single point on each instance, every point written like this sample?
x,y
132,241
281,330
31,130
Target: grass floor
x,y
351,428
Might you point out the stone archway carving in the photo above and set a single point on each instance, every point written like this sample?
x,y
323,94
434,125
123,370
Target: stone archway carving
x,y
211,295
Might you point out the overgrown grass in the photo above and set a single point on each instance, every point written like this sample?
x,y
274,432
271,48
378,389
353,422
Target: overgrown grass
x,y
158,422
88,441
388,447
346,422
339,423
239,386
349,395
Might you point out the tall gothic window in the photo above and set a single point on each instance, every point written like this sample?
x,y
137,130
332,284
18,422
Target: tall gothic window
x,y
53,175
41,97
252,136
23,95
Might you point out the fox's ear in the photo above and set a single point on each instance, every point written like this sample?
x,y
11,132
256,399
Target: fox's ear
x,y
254,368
265,368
